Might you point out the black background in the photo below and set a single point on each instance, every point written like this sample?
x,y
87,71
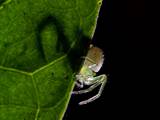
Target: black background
x,y
125,32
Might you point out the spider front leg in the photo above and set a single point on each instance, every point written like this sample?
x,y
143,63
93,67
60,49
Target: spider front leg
x,y
102,79
79,83
93,84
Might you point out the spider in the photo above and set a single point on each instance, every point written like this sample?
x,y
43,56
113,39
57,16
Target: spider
x,y
87,75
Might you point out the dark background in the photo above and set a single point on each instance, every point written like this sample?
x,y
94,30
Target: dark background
x,y
126,33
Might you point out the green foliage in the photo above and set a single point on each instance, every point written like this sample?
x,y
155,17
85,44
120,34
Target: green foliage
x,y
41,42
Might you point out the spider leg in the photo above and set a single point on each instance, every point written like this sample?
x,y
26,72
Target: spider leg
x,y
102,81
92,83
79,85
88,89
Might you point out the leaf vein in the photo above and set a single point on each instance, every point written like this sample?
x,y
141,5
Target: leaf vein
x,y
37,96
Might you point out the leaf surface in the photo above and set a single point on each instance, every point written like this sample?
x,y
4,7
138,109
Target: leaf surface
x,y
41,42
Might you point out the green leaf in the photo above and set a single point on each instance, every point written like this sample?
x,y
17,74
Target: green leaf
x,y
41,42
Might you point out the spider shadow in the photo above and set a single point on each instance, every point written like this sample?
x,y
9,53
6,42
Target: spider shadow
x,y
62,44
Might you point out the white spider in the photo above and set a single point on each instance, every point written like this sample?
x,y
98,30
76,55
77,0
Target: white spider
x,y
87,75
